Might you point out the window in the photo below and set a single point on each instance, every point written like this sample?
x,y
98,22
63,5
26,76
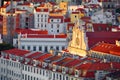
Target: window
x,y
28,77
45,20
40,48
34,48
63,47
23,47
22,76
51,30
41,20
46,49
54,76
34,69
41,25
66,77
58,31
28,68
45,15
25,68
43,72
41,15
38,25
60,77
28,47
38,15
40,71
51,47
57,48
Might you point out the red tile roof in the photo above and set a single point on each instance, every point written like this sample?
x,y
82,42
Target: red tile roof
x,y
56,11
43,57
63,61
90,74
69,25
47,36
42,5
107,48
52,3
29,31
34,55
86,19
42,10
17,52
82,10
67,20
73,63
107,37
96,66
103,27
75,12
54,58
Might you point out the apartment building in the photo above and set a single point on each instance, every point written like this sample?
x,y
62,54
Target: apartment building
x,y
19,64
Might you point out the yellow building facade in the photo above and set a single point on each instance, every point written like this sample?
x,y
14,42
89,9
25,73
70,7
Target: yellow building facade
x,y
64,7
75,16
79,43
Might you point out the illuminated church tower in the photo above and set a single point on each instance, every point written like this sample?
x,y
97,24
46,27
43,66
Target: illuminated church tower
x,y
79,43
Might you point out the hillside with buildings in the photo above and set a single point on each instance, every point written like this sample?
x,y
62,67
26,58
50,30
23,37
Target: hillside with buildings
x,y
60,39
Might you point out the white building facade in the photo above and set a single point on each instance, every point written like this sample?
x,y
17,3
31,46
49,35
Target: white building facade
x,y
56,25
41,42
41,18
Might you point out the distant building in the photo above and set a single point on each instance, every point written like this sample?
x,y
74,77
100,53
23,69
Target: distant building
x,y
109,5
24,19
41,16
109,52
103,17
39,40
71,2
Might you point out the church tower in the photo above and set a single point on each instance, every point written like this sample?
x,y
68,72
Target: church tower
x,y
79,42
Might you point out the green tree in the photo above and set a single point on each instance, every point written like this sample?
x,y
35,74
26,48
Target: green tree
x,y
5,46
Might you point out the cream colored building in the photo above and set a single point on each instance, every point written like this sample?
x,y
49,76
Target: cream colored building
x,y
79,42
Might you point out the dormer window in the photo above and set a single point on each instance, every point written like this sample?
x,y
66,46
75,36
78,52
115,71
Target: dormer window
x,y
63,70
100,28
54,67
76,73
